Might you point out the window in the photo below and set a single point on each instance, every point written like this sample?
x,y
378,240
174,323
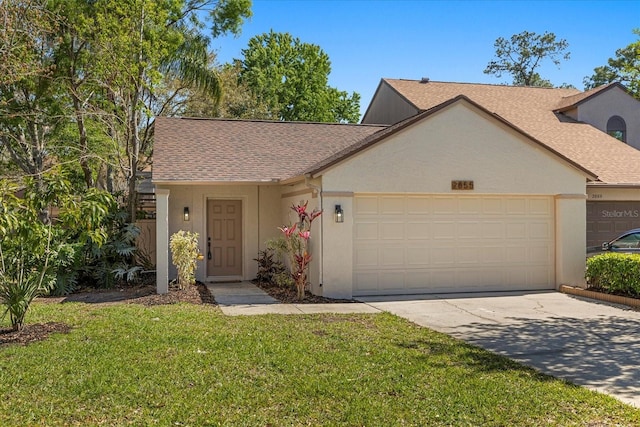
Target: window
x,y
617,128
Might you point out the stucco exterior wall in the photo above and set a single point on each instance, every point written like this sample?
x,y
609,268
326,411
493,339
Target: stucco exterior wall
x,y
613,102
387,107
260,210
457,143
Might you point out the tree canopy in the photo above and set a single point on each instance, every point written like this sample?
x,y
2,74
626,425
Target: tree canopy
x,y
291,78
83,80
522,55
623,68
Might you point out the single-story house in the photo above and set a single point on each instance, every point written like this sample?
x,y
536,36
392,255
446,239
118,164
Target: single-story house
x,y
458,196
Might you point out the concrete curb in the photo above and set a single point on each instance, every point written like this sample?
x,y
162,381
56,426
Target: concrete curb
x,y
616,299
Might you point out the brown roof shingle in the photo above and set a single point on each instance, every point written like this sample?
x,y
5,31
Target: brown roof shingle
x,y
532,110
220,150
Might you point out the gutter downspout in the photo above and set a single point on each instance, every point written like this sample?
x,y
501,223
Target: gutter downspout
x,y
318,190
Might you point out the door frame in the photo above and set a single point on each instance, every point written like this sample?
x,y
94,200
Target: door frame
x,y
243,204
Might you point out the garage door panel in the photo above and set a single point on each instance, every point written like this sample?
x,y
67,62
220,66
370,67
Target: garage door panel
x,y
470,206
365,282
366,205
391,230
443,256
366,231
493,230
467,255
492,206
391,256
540,206
493,255
416,244
516,230
418,256
540,230
392,205
366,257
444,205
418,205
418,230
517,206
469,230
444,230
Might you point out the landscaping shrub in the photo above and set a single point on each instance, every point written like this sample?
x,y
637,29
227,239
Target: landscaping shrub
x,y
296,246
271,269
184,253
615,273
90,241
25,244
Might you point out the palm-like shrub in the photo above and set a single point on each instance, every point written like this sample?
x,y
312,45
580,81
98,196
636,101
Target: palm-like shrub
x,y
25,244
18,289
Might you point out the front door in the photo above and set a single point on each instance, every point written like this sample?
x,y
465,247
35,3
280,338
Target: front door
x,y
224,238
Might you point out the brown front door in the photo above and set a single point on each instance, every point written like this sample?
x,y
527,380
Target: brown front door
x,y
224,238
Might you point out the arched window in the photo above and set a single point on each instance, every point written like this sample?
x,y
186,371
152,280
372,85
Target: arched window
x,y
617,128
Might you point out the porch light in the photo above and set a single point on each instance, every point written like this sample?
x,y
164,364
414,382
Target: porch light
x,y
186,213
339,214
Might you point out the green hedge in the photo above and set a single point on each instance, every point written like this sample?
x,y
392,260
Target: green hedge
x,y
615,273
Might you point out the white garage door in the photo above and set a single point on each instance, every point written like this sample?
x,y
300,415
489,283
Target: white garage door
x,y
407,244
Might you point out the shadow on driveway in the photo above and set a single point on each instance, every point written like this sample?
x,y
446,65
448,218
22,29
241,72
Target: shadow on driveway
x,y
591,344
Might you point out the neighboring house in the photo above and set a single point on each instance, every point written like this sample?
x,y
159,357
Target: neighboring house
x,y
464,192
573,123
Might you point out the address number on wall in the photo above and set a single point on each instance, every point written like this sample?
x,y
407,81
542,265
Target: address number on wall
x,y
462,185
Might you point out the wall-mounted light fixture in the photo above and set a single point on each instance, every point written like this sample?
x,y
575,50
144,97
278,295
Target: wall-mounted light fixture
x,y
186,213
339,214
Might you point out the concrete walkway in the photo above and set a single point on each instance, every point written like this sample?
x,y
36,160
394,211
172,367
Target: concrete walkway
x,y
244,298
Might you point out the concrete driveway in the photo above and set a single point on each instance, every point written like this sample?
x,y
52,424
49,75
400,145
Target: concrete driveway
x,y
592,344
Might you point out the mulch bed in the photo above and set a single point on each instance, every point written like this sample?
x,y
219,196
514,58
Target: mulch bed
x,y
145,295
290,295
31,333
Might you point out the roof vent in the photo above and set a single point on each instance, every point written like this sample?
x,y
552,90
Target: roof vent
x,y
424,80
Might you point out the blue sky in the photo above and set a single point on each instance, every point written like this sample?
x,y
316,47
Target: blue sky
x,y
443,40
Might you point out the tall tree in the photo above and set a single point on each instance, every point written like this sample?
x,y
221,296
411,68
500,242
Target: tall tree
x,y
126,61
624,68
237,100
522,54
30,106
291,78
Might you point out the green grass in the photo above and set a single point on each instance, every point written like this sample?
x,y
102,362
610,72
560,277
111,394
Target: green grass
x,y
191,365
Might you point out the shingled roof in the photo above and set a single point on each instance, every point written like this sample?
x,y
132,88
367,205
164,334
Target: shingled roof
x,y
534,111
220,150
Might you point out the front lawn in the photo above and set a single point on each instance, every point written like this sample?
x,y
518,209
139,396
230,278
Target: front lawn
x,y
190,365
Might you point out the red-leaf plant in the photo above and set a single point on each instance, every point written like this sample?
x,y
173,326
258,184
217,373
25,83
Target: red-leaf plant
x,y
297,238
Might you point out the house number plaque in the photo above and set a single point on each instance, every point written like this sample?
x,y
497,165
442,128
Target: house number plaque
x,y
462,185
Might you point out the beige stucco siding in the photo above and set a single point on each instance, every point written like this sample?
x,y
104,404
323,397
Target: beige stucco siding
x,y
457,143
614,102
261,216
